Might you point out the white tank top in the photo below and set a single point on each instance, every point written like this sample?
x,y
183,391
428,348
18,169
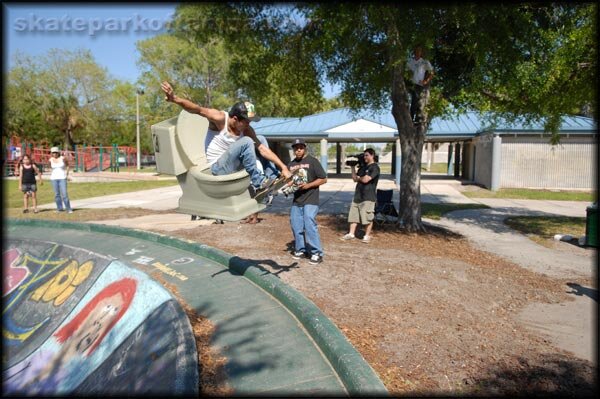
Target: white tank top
x,y
217,142
58,169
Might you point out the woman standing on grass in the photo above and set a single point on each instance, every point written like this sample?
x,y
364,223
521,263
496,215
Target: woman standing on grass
x,y
59,176
27,173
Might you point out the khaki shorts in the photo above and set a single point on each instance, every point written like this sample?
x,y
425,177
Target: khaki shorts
x,y
362,213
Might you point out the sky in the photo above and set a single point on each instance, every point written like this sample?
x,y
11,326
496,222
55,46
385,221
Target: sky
x,y
109,31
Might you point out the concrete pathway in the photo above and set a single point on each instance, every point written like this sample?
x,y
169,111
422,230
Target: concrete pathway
x,y
486,229
335,198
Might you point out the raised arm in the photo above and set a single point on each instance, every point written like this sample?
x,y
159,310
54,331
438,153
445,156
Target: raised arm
x,y
213,115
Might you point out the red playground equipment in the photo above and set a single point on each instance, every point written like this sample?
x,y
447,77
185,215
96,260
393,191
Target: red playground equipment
x,y
82,159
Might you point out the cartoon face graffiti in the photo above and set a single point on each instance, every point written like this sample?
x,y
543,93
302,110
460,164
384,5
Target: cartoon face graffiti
x,y
47,370
85,332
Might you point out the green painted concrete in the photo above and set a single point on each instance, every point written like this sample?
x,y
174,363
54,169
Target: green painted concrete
x,y
276,341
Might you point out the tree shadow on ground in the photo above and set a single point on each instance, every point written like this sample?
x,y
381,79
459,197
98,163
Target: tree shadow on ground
x,y
340,224
551,375
493,219
580,290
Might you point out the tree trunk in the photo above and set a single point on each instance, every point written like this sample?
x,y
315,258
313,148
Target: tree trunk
x,y
67,139
411,143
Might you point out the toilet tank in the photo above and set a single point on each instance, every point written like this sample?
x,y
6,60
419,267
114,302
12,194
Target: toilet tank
x,y
178,143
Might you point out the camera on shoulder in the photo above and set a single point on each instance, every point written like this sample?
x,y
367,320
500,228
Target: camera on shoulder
x,y
356,159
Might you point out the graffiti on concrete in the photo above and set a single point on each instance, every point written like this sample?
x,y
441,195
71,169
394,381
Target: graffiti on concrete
x,y
14,273
111,328
73,341
159,357
38,287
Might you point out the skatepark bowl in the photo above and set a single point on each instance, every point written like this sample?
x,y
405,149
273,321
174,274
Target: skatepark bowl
x,y
83,316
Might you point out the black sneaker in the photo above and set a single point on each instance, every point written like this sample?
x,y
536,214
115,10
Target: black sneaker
x,y
298,255
258,193
315,259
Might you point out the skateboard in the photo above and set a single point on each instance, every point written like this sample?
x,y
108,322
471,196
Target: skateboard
x,y
299,178
279,183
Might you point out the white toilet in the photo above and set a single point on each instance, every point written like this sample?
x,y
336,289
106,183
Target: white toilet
x,y
179,150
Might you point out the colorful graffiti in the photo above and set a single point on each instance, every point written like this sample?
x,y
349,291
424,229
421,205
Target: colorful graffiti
x,y
14,274
30,278
73,317
75,340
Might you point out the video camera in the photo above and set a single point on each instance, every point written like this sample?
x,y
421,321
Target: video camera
x,y
359,159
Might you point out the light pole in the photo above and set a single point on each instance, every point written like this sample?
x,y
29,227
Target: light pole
x,y
137,124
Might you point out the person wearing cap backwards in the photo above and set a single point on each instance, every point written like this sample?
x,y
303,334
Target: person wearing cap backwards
x,y
305,206
231,142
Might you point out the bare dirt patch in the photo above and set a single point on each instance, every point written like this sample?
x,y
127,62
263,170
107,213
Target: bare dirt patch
x,y
431,314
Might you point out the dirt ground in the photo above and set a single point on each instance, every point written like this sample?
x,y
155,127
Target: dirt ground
x,y
431,314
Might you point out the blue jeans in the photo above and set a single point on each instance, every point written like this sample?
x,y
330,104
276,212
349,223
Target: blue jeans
x,y
269,168
304,227
60,194
243,154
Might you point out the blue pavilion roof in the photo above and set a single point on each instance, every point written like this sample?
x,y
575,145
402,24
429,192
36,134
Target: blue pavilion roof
x,y
465,125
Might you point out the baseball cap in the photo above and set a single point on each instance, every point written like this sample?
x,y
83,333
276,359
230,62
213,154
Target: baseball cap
x,y
54,149
244,110
298,141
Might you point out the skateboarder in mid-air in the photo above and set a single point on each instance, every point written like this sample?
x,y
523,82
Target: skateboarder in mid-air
x,y
231,144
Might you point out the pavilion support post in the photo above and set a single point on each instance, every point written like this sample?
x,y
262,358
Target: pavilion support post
x,y
450,171
398,160
324,154
338,158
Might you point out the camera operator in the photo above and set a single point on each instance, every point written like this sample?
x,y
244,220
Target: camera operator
x,y
362,209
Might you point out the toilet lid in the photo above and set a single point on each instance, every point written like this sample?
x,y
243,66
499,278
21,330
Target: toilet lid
x,y
191,133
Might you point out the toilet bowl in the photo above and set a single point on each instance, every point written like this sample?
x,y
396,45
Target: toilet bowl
x,y
179,151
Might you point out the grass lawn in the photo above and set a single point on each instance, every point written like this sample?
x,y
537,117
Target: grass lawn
x,y
541,229
13,198
133,169
436,168
523,193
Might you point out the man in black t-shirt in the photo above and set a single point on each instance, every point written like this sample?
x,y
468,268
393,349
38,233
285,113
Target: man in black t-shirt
x,y
305,207
362,209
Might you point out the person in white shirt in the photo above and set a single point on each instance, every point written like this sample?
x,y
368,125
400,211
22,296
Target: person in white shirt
x,y
422,73
59,177
231,143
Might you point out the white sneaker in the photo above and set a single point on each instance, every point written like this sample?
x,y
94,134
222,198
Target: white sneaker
x,y
348,237
315,259
366,239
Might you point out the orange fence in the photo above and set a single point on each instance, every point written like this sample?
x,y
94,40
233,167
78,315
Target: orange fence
x,y
82,159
